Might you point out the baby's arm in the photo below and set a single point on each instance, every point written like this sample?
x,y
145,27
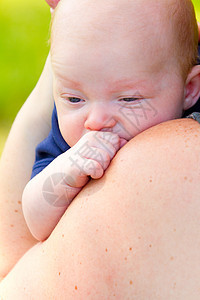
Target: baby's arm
x,y
48,194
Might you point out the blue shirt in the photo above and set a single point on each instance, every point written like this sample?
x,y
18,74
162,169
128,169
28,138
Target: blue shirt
x,y
49,148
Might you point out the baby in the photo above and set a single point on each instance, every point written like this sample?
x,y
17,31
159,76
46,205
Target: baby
x,y
119,67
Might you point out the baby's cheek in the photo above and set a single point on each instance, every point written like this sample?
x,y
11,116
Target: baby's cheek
x,y
149,120
71,134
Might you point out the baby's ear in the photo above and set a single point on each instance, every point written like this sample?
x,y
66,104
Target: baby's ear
x,y
192,89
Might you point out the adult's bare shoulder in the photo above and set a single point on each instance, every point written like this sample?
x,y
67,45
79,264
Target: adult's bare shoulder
x,y
180,132
172,148
171,129
139,223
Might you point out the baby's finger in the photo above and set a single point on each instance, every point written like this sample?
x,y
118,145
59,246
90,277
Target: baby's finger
x,y
110,137
105,140
101,156
93,169
108,147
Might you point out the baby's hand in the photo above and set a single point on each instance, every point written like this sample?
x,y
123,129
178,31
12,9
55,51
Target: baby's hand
x,y
47,195
91,156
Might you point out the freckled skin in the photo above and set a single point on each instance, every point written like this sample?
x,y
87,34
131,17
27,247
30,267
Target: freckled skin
x,y
144,220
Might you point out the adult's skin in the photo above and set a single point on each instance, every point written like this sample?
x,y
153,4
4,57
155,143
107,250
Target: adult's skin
x,y
134,234
32,125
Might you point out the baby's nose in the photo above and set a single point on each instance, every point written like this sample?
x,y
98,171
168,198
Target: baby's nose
x,y
99,117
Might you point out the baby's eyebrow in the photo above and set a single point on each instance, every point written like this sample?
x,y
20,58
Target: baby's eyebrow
x,y
126,83
69,82
110,87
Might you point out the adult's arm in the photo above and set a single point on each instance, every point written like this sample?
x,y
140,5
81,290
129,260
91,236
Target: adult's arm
x,y
31,125
134,234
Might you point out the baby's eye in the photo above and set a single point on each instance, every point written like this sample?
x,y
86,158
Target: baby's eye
x,y
130,99
75,100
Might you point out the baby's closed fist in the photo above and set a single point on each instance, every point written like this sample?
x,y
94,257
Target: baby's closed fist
x,y
93,153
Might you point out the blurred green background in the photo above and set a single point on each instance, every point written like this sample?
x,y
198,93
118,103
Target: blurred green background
x,y
24,35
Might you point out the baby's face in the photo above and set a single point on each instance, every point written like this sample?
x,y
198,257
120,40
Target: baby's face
x,y
113,70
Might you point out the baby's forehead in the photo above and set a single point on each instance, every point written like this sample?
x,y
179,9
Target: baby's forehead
x,y
139,24
109,17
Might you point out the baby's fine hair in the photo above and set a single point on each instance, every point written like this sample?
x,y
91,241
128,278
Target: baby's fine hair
x,y
185,30
180,19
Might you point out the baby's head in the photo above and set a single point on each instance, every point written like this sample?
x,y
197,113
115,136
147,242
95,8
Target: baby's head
x,y
122,65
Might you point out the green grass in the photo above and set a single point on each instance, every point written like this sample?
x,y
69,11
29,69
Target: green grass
x,y
24,34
